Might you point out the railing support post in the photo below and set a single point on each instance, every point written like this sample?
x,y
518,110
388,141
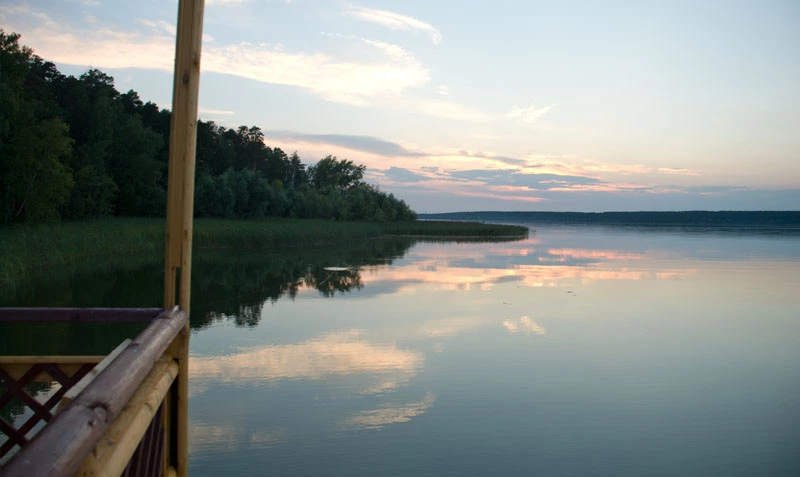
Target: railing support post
x,y
180,199
182,149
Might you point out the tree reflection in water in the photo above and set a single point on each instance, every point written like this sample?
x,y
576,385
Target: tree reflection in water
x,y
236,286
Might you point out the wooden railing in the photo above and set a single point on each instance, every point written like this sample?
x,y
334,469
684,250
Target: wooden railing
x,y
128,419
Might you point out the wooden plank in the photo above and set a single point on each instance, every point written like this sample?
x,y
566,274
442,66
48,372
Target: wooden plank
x,y
61,446
182,432
169,433
108,315
113,452
81,385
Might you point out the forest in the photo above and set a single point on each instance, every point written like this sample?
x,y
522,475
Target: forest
x,y
77,149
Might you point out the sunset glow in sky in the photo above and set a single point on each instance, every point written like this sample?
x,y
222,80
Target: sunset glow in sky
x,y
461,105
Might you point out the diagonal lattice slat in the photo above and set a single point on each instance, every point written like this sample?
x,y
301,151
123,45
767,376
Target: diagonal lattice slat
x,y
16,388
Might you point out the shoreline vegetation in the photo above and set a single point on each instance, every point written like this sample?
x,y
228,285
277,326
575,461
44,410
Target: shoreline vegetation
x,y
27,249
784,221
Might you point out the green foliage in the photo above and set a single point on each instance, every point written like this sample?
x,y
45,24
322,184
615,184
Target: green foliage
x,y
92,196
332,173
76,148
441,228
34,144
34,179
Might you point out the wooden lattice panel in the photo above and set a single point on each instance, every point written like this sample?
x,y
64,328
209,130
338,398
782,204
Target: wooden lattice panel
x,y
15,378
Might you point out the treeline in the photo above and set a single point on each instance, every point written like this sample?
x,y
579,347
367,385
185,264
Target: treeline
x,y
76,149
764,220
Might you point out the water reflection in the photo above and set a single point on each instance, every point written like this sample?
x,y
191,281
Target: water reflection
x,y
438,328
620,348
390,413
524,325
225,286
339,353
483,267
440,343
236,287
228,437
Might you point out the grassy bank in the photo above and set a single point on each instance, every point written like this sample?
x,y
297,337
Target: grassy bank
x,y
446,229
112,242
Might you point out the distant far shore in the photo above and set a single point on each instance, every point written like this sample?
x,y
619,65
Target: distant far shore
x,y
761,220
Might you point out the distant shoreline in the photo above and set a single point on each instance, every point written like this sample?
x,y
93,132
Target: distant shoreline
x,y
734,220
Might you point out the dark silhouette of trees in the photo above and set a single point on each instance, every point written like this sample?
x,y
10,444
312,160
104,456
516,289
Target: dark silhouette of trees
x,y
331,173
76,148
35,147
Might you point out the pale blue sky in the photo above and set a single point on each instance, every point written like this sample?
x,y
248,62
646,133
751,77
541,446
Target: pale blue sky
x,y
458,105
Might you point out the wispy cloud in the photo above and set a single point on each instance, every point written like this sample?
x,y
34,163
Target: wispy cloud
x,y
395,21
227,2
336,79
402,175
680,172
385,80
360,143
529,115
159,26
450,110
467,176
214,112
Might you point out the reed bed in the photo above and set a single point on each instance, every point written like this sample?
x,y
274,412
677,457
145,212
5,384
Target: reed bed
x,y
115,241
453,229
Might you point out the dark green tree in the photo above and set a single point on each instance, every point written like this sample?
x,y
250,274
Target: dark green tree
x,y
35,179
332,173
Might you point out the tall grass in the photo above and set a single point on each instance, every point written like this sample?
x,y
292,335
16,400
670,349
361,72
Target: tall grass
x,y
115,242
442,228
25,248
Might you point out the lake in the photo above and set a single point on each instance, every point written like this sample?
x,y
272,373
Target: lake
x,y
578,351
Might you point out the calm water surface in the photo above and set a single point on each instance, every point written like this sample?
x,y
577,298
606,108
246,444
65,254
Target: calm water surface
x,y
579,351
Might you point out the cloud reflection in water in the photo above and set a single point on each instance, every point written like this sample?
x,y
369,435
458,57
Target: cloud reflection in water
x,y
524,325
389,414
339,353
204,438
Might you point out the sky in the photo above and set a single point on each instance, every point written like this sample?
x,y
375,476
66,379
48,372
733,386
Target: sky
x,y
475,105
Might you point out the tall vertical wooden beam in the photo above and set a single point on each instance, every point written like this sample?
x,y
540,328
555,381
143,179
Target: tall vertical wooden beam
x,y
180,200
182,148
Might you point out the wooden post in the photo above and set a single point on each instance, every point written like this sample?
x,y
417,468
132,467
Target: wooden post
x,y
182,148
180,199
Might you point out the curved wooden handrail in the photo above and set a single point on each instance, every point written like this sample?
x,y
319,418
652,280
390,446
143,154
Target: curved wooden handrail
x,y
61,447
